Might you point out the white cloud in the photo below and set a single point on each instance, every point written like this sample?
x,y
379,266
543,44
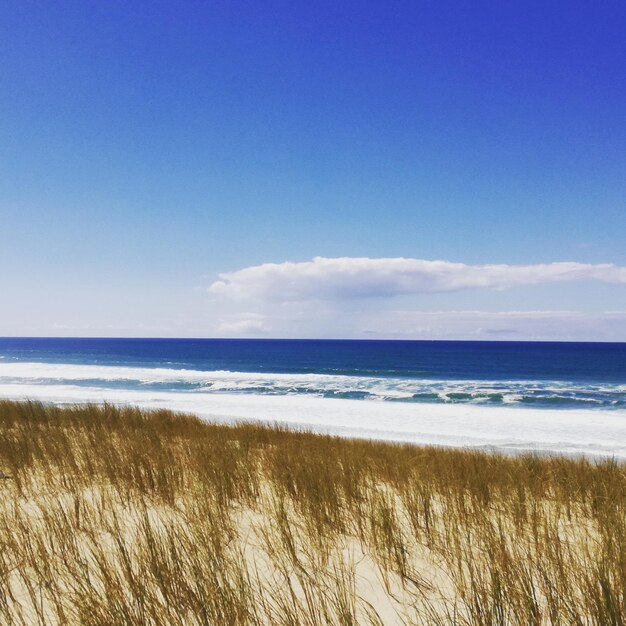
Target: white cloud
x,y
324,297
348,277
247,325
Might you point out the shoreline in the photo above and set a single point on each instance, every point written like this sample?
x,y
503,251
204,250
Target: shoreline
x,y
593,433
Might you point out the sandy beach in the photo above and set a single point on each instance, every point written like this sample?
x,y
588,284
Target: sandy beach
x,y
123,516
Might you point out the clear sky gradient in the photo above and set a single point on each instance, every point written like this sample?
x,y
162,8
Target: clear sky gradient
x,y
148,147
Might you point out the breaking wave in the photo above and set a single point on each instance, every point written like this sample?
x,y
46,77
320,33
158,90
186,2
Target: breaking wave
x,y
524,393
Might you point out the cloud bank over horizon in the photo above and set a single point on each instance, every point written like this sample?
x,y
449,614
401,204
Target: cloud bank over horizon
x,y
410,298
363,277
532,325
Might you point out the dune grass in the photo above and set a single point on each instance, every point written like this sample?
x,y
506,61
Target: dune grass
x,y
121,516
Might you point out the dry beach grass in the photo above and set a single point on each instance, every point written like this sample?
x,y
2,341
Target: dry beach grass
x,y
121,516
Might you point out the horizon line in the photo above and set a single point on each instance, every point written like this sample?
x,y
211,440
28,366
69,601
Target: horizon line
x,y
311,339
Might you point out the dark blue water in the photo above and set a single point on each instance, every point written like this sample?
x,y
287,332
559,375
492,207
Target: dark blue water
x,y
445,360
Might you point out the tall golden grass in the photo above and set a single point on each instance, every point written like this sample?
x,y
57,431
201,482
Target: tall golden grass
x,y
120,516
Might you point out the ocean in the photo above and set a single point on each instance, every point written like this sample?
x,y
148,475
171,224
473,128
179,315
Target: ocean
x,y
511,396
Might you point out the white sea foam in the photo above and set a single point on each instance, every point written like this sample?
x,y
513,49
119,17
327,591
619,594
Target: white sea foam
x,y
576,431
222,380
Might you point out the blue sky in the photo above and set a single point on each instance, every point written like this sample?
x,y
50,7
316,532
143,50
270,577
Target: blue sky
x,y
146,148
